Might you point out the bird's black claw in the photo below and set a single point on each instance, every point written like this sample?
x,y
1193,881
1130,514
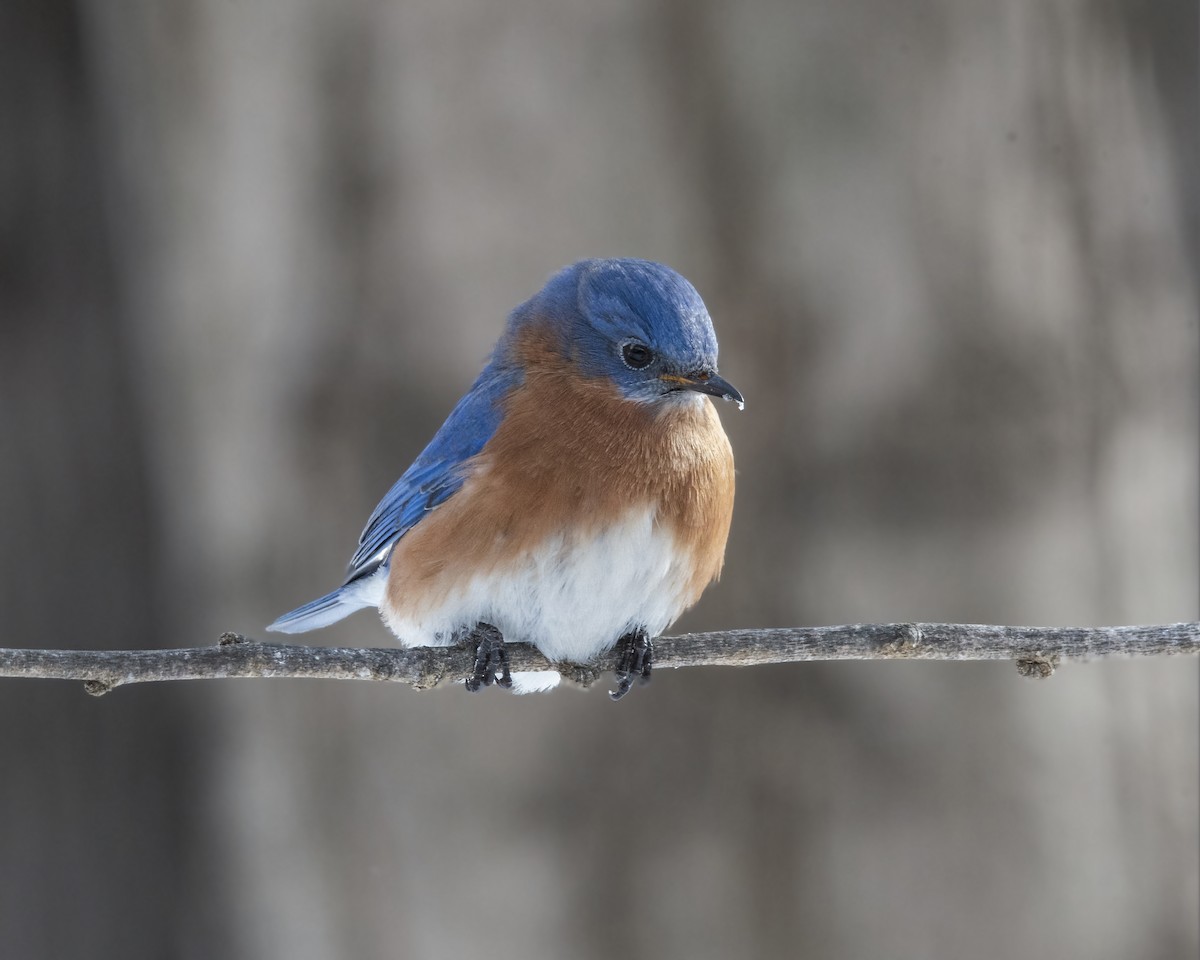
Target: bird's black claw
x,y
491,659
637,656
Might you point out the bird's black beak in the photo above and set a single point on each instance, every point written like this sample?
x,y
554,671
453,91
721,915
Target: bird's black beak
x,y
705,381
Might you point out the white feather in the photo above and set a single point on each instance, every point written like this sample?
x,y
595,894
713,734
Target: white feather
x,y
572,598
535,681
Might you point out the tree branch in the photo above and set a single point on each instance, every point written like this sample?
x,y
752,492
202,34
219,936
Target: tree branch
x,y
1036,650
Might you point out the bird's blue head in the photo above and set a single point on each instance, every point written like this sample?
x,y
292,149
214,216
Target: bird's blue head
x,y
637,323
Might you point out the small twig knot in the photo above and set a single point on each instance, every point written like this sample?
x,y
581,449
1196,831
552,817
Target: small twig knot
x,y
1037,666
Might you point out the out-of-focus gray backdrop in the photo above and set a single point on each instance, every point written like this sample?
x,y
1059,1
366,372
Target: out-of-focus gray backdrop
x,y
251,253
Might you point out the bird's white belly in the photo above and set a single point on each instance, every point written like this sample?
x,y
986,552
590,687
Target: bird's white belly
x,y
573,597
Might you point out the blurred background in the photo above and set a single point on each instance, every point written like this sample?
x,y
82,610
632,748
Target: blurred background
x,y
251,254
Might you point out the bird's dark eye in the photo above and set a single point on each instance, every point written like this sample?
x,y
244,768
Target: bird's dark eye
x,y
638,356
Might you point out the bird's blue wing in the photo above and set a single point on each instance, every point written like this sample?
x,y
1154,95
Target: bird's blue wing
x,y
437,473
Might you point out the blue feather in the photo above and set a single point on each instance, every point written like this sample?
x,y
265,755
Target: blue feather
x,y
437,473
320,612
432,479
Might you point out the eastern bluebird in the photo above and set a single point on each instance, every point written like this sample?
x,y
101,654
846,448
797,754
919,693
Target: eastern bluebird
x,y
578,497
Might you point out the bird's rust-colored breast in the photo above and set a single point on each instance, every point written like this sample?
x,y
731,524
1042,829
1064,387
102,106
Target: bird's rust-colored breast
x,y
570,457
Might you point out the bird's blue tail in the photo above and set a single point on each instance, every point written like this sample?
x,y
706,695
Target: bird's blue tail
x,y
323,611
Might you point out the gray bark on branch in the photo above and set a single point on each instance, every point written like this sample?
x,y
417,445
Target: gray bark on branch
x,y
1036,651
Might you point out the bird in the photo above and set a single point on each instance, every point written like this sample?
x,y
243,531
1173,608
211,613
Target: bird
x,y
578,497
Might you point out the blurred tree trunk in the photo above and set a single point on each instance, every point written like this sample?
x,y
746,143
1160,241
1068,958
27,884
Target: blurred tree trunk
x,y
97,825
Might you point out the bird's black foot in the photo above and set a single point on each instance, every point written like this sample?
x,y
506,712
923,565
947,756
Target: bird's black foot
x,y
491,660
637,656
